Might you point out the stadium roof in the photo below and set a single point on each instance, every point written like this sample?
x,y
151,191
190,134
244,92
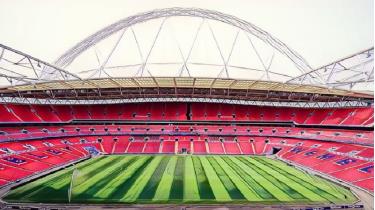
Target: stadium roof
x,y
185,48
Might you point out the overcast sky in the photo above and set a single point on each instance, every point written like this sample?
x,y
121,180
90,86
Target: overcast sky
x,y
320,30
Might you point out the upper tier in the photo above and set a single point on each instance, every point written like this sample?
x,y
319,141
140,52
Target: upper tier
x,y
12,113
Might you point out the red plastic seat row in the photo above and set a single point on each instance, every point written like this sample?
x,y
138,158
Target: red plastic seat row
x,y
179,111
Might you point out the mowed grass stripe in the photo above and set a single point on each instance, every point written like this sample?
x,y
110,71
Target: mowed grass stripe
x,y
249,176
177,192
246,191
33,187
116,188
191,191
83,176
303,180
311,195
293,172
136,188
165,185
204,188
217,186
89,163
150,189
233,191
263,187
282,186
56,191
347,195
86,193
84,179
328,186
48,186
278,165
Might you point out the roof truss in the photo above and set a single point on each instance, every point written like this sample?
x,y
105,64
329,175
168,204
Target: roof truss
x,y
355,72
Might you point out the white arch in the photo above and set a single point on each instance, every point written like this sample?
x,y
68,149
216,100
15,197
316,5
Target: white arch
x,y
69,56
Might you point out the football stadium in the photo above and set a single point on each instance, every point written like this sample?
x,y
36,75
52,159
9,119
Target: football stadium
x,y
185,108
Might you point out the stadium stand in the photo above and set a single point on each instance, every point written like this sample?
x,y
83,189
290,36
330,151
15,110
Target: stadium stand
x,y
179,112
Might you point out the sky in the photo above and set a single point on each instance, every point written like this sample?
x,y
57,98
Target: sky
x,y
322,31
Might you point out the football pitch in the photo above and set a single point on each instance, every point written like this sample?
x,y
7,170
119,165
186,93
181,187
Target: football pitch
x,y
164,179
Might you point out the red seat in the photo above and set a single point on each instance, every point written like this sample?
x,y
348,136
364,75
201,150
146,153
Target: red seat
x,y
121,145
152,147
136,147
216,147
231,147
168,147
199,147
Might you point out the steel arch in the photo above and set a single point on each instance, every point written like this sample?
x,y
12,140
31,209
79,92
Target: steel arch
x,y
69,56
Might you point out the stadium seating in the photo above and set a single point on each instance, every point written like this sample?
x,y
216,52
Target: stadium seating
x,y
168,147
184,144
231,147
107,144
366,183
37,132
48,138
65,113
338,160
136,146
362,116
121,145
46,113
152,147
216,147
247,148
24,112
199,147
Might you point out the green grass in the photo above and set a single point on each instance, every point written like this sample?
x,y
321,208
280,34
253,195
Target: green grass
x,y
140,183
191,191
217,186
164,187
177,188
181,179
205,191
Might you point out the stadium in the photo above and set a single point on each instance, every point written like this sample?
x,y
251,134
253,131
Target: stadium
x,y
185,108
